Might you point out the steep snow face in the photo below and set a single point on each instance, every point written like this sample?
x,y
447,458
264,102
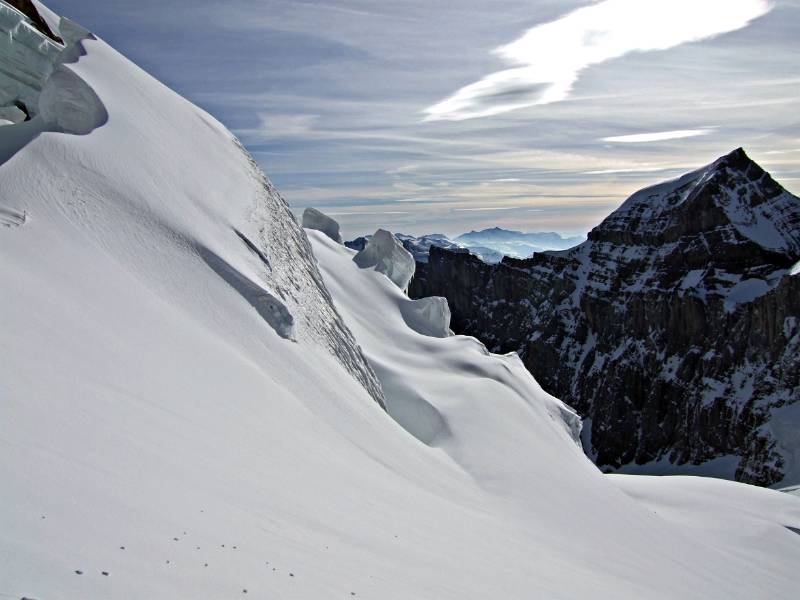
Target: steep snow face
x,y
401,335
519,445
387,255
143,204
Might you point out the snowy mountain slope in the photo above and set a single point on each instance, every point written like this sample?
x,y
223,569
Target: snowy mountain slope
x,y
203,209
518,445
184,414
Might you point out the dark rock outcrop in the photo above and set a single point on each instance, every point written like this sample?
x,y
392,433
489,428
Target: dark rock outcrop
x,y
674,329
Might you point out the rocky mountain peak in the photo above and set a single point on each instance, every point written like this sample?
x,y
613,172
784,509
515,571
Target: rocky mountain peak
x,y
673,329
731,202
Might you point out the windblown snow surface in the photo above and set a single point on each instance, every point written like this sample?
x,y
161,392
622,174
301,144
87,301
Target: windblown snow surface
x,y
186,412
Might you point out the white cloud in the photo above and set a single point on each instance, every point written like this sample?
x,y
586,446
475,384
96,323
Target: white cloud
x,y
551,56
658,136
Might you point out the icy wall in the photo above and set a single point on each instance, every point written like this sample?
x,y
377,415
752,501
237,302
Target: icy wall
x,y
27,59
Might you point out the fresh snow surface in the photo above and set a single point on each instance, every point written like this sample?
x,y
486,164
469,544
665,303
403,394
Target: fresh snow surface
x,y
722,467
386,254
164,438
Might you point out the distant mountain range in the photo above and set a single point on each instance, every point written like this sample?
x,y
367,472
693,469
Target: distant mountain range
x,y
490,245
516,244
674,329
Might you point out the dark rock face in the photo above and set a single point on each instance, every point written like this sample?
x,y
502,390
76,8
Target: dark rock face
x,y
27,8
674,329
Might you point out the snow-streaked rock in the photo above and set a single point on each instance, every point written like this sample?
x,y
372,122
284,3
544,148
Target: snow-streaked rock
x,y
319,221
670,328
387,255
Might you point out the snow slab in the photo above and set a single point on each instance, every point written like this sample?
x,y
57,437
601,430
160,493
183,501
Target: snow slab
x,y
428,316
387,255
161,439
314,219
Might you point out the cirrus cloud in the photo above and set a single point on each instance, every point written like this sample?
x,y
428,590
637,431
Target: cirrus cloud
x,y
551,56
657,136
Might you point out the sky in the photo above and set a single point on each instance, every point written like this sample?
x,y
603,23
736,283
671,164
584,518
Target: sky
x,y
425,116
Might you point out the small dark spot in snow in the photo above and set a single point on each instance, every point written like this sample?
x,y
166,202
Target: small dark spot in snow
x,y
223,545
234,547
167,562
122,547
105,573
291,574
44,517
78,572
205,565
175,539
244,591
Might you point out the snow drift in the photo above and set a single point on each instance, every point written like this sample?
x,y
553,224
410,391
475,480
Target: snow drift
x,y
187,413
